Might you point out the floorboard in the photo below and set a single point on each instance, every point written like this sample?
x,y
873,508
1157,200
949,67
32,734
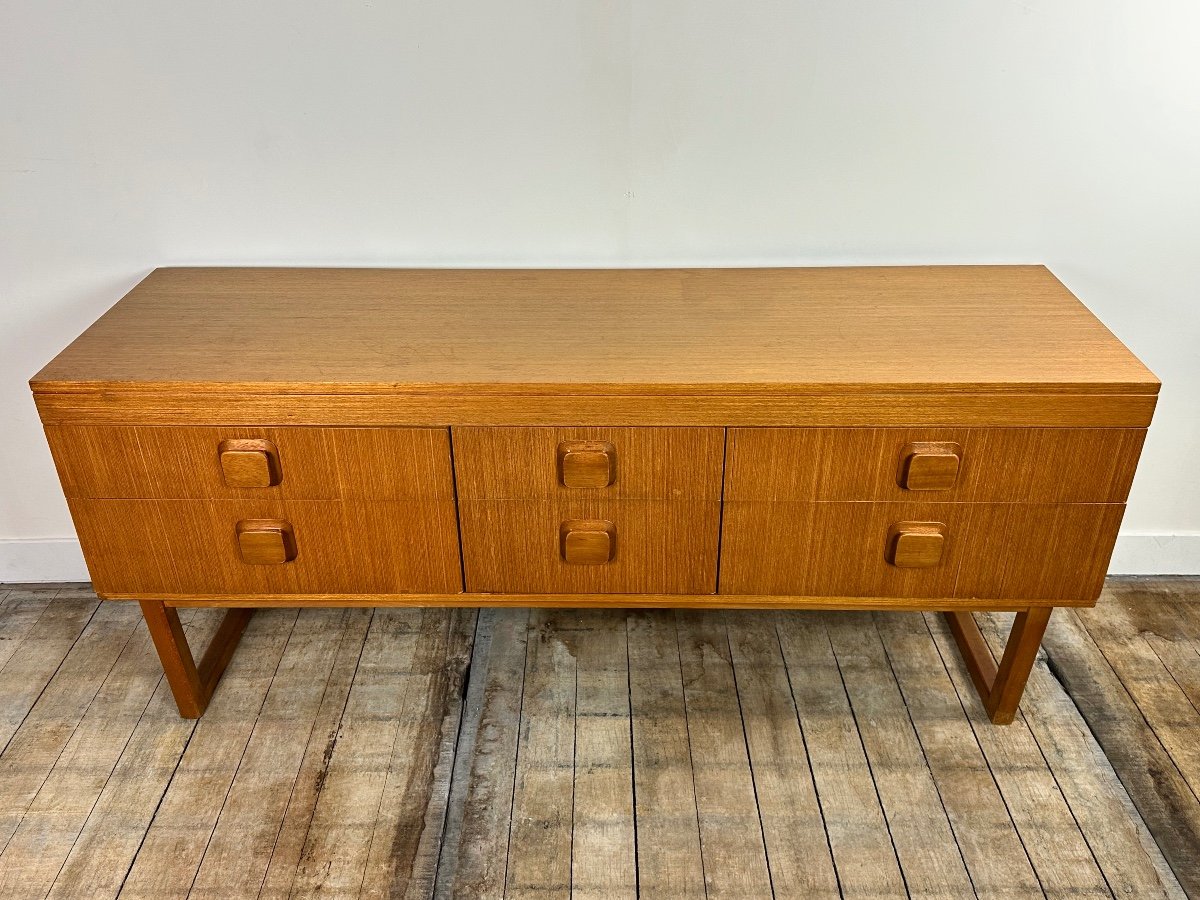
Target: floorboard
x,y
1055,845
238,852
317,753
921,832
179,834
991,846
670,862
104,851
731,835
481,800
599,754
793,826
1125,734
603,843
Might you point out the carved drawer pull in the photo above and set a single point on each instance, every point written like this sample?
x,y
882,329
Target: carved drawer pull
x,y
915,545
587,464
249,463
266,542
587,542
929,466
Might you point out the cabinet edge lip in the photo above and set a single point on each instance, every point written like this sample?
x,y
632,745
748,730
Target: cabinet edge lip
x,y
1150,385
726,409
561,600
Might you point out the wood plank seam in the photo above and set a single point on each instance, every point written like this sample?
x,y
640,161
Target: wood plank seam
x,y
473,680
807,755
158,804
1156,729
516,763
691,758
16,645
1053,774
404,863
311,731
870,766
336,727
574,779
239,625
42,690
1193,699
6,840
116,761
749,756
987,664
637,865
928,768
1044,730
961,826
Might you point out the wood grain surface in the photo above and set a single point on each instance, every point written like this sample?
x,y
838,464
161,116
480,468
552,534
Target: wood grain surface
x,y
372,329
991,550
850,750
650,463
190,546
598,601
661,546
530,335
1031,465
315,463
573,406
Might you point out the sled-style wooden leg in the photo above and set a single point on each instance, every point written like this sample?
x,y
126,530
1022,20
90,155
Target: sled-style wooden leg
x,y
1000,687
192,685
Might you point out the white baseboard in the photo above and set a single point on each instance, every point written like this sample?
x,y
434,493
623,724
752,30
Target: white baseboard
x,y
41,559
1156,554
60,559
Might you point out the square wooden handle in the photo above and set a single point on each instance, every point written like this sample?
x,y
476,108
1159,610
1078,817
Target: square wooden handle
x,y
587,464
249,463
929,466
915,545
587,542
266,542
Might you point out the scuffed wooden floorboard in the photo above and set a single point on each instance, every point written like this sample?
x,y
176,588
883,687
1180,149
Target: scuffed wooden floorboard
x,y
1122,731
921,832
598,753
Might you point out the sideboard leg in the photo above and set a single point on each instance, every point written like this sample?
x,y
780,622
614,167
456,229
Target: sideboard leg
x,y
192,685
1001,686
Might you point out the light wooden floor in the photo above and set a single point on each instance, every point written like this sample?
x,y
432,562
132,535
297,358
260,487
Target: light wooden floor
x,y
598,754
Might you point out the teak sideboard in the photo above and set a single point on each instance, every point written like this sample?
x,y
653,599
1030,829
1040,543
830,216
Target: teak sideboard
x,y
914,438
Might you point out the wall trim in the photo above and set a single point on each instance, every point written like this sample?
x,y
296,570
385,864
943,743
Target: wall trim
x,y
24,560
1156,553
27,560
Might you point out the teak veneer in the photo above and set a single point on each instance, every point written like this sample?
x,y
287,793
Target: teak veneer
x,y
947,438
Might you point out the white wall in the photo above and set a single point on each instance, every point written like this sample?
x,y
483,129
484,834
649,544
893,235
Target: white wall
x,y
138,133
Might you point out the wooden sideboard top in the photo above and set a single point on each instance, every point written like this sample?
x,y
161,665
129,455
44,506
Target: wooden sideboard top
x,y
472,339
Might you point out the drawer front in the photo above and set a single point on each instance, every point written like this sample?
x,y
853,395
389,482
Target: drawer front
x,y
245,548
195,462
981,550
590,547
1032,465
589,463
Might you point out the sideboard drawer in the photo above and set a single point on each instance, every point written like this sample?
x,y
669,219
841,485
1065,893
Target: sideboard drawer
x,y
590,547
1042,465
589,463
286,463
983,550
247,548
